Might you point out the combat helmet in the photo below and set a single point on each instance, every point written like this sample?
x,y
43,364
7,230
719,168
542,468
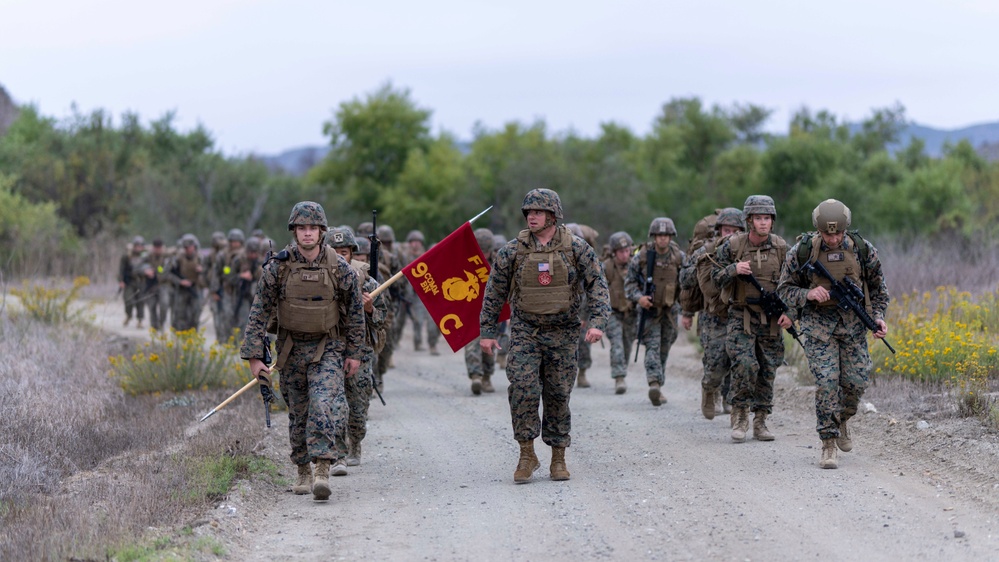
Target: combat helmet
x,y
218,239
498,241
575,229
341,238
363,245
485,238
138,241
620,240
831,217
415,235
365,228
386,234
542,200
759,205
730,216
662,225
189,240
236,235
253,244
307,213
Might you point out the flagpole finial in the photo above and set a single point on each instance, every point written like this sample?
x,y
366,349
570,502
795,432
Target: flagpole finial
x,y
480,214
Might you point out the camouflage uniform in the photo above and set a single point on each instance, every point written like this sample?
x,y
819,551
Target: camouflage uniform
x,y
837,348
312,378
479,364
358,389
754,344
622,323
130,273
187,266
157,290
712,319
213,267
661,320
228,277
542,359
248,259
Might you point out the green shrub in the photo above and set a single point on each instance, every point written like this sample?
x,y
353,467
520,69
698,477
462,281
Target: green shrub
x,y
180,361
51,305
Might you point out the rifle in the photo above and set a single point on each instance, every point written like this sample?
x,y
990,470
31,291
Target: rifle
x,y
266,392
771,304
648,290
244,287
848,296
375,244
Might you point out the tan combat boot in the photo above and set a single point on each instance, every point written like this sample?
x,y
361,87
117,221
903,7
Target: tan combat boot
x,y
741,425
828,453
339,467
581,381
433,350
487,384
139,324
620,387
708,403
354,453
844,442
655,395
760,431
719,404
321,485
476,384
304,483
558,469
527,464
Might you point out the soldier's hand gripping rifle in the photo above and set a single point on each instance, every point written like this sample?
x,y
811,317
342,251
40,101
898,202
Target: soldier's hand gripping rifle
x,y
266,392
648,290
848,296
771,304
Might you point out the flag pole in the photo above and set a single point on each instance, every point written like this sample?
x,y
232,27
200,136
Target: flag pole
x,y
399,274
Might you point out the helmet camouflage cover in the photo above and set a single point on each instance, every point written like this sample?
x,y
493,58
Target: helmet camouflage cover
x,y
341,238
363,245
253,244
415,235
620,240
236,235
189,240
485,238
386,234
542,200
730,216
831,217
365,228
307,213
759,205
662,225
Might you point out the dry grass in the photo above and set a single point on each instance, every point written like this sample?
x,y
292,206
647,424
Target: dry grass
x,y
85,470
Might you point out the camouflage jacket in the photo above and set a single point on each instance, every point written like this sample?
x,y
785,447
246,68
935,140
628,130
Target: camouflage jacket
x,y
586,278
265,306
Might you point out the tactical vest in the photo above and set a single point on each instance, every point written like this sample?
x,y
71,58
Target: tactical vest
x,y
374,336
543,276
705,265
841,262
692,299
765,262
615,284
665,275
309,298
187,268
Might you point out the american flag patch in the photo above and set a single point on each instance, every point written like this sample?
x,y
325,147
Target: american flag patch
x,y
543,266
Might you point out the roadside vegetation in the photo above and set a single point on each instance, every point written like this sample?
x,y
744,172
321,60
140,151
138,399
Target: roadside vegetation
x,y
90,472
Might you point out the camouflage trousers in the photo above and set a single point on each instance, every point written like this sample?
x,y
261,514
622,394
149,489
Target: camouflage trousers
x,y
133,294
621,328
317,403
421,320
157,300
713,330
478,363
186,311
385,355
230,316
218,318
358,391
754,360
841,366
660,333
541,368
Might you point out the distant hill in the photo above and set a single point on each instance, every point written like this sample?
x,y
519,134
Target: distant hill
x,y
984,137
296,161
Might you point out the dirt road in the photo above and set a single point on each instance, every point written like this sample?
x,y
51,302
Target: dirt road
x,y
436,482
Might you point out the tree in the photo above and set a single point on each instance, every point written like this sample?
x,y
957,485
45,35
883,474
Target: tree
x,y
371,141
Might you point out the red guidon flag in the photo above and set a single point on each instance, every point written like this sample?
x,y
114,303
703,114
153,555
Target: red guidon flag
x,y
450,278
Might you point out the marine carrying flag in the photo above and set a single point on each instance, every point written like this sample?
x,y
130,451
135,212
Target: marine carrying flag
x,y
450,278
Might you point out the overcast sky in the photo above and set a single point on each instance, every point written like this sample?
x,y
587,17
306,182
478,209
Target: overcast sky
x,y
263,75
